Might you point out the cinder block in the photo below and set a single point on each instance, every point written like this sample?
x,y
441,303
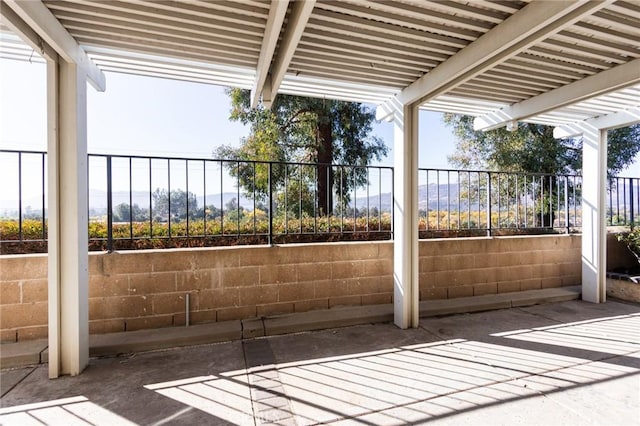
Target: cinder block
x,y
369,285
311,305
326,289
432,293
549,271
274,309
442,263
485,260
152,283
197,280
108,285
535,257
376,299
482,289
354,251
530,284
507,259
23,267
169,303
130,262
106,326
10,292
377,268
508,286
159,321
258,256
201,317
258,295
385,250
461,262
239,277
514,273
306,253
173,261
278,274
23,315
218,298
33,333
555,256
551,282
96,266
314,271
294,292
34,291
345,301
8,336
243,312
575,280
571,269
342,270
460,291
120,307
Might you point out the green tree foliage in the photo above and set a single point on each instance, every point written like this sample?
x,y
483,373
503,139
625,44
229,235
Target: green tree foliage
x,y
533,149
123,213
305,130
178,200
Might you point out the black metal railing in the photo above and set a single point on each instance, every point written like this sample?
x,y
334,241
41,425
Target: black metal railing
x,y
492,202
145,201
240,201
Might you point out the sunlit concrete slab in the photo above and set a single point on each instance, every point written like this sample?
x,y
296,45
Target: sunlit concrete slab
x,y
514,366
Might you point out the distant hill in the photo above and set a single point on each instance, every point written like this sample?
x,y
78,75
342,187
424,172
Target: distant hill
x,y
442,196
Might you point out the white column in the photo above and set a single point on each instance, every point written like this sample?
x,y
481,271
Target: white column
x,y
67,209
405,211
594,229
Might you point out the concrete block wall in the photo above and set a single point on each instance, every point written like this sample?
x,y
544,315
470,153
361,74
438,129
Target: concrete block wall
x,y
451,268
135,290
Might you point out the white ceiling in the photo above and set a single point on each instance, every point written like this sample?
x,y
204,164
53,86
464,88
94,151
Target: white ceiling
x,y
450,55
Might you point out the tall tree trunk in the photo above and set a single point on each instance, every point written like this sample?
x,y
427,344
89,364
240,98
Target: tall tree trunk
x,y
325,172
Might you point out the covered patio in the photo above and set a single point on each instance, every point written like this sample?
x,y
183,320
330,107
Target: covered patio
x,y
556,364
571,64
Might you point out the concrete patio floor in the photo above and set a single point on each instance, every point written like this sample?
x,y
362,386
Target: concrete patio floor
x,y
556,364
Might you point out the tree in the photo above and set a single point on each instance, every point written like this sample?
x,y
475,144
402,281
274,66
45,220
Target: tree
x,y
178,204
122,213
306,130
531,148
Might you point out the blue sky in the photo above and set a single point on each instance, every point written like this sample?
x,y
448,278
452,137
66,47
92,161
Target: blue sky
x,y
150,116
142,115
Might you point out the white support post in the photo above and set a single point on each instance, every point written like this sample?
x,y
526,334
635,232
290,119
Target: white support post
x,y
594,228
68,239
405,215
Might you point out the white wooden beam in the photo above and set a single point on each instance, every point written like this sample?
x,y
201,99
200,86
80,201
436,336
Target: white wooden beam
x,y
36,15
68,276
613,79
277,13
405,216
533,23
26,33
594,213
296,23
618,119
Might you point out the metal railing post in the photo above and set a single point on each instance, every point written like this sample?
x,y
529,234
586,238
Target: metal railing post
x,y
566,205
109,206
488,204
631,207
270,183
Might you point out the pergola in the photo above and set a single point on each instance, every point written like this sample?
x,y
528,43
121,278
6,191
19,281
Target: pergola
x,y
568,63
